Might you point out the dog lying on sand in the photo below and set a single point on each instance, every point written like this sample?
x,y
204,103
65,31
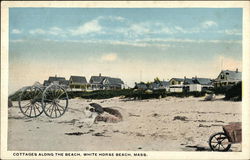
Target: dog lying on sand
x,y
98,113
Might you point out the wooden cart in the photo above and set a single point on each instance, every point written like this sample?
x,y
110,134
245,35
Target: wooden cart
x,y
52,100
222,141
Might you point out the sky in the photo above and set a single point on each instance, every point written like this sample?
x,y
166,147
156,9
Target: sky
x,y
134,44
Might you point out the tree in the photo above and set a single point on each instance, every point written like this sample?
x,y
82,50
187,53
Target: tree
x,y
157,80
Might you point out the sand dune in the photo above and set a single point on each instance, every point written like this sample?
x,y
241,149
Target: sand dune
x,y
167,124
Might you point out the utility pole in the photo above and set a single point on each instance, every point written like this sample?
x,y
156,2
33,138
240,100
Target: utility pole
x,y
221,65
140,75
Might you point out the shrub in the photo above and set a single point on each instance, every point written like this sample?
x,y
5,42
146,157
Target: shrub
x,y
234,93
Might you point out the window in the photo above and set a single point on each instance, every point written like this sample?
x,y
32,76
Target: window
x,y
221,76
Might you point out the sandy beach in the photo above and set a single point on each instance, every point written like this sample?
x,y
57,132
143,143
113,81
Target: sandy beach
x,y
148,125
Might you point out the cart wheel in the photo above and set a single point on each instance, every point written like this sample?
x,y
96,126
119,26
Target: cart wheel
x,y
55,101
219,142
30,101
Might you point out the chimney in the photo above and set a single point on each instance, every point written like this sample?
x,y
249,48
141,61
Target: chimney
x,y
100,74
237,70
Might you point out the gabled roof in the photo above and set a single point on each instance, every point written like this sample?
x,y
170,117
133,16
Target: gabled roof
x,y
78,79
189,81
52,79
45,82
203,81
64,82
232,75
178,79
97,79
114,81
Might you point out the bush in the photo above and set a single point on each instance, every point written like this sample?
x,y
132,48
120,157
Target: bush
x,y
99,94
234,93
143,94
220,90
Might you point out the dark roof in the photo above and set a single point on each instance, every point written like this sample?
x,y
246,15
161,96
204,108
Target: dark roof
x,y
154,85
45,81
203,81
114,81
232,75
52,79
78,79
141,86
97,79
189,81
164,83
64,82
178,79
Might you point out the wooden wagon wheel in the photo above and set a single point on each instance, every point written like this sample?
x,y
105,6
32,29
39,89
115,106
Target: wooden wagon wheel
x,y
30,101
219,142
55,101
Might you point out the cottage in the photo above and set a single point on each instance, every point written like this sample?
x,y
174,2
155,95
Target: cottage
x,y
112,83
159,85
176,85
141,86
154,86
228,78
205,83
165,85
190,85
197,84
102,82
77,83
56,80
96,82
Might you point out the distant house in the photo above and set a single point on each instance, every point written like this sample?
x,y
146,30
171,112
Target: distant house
x,y
197,84
96,82
228,78
112,83
159,85
102,82
189,85
206,83
165,84
176,84
56,80
141,86
78,83
154,86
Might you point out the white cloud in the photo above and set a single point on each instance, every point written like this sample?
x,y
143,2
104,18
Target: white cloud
x,y
176,40
55,31
89,27
208,24
139,28
232,32
109,57
112,18
37,31
16,31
